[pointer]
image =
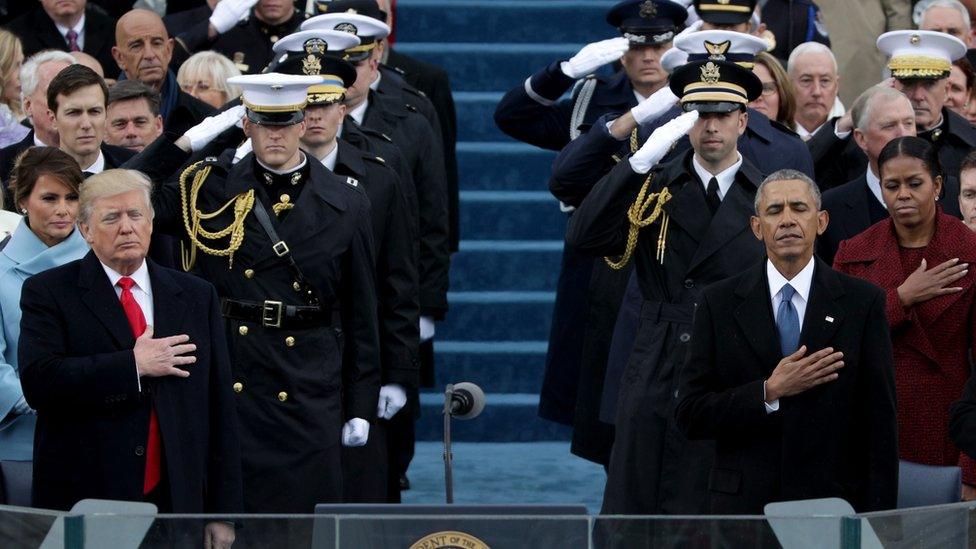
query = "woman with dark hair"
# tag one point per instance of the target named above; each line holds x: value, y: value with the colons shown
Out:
x: 920, y: 257
x: 45, y: 183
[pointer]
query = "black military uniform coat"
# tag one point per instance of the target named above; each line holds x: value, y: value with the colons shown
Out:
x: 835, y: 440
x: 295, y: 387
x: 37, y: 32
x: 249, y: 43
x: 421, y: 149
x: 852, y: 208
x: 653, y: 469
x: 434, y: 83
x: 365, y: 468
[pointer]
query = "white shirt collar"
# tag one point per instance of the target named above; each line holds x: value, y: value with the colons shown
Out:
x: 98, y: 166
x: 140, y: 276
x: 801, y: 282
x: 874, y: 185
x: 283, y: 172
x: 376, y: 83
x: 79, y: 28
x: 640, y: 98
x: 725, y: 177
x: 804, y: 134
x: 38, y: 142
x: 329, y: 160
x: 359, y: 112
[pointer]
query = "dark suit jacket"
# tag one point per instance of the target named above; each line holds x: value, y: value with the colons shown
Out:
x: 852, y: 209
x: 8, y: 155
x: 962, y: 422
x: 37, y: 32
x: 835, y: 440
x: 78, y: 371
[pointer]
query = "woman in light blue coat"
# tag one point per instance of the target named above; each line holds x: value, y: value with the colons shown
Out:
x: 45, y: 183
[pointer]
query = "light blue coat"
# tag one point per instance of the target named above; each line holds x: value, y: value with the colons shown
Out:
x: 24, y: 255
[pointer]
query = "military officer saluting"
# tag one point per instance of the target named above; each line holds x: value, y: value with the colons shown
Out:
x: 685, y: 223
x: 288, y: 245
x: 532, y: 112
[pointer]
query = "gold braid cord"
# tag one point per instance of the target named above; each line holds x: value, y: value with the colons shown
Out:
x: 635, y: 216
x: 193, y: 218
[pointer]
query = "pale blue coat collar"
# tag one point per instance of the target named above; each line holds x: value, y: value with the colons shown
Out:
x: 30, y: 256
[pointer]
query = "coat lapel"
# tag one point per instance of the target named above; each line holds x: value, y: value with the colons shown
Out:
x: 824, y: 313
x: 730, y: 220
x: 169, y: 307
x: 938, y: 251
x: 99, y: 296
x: 857, y: 215
x: 754, y: 316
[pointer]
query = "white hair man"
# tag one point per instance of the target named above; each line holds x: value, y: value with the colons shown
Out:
x: 948, y: 16
x: 813, y: 70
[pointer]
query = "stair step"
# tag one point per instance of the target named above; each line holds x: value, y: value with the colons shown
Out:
x: 503, y: 21
x: 522, y: 265
x: 507, y: 417
x: 504, y: 165
x: 497, y: 316
x: 489, y: 66
x: 511, y: 215
x: 475, y: 112
x: 496, y: 366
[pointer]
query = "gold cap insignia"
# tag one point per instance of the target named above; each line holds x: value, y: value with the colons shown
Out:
x: 351, y: 10
x: 239, y: 61
x: 915, y: 39
x: 648, y: 9
x: 717, y: 51
x: 710, y: 73
x: 347, y: 27
x: 316, y: 45
x: 724, y: 2
x: 311, y: 65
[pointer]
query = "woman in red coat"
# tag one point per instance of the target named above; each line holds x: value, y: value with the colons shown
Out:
x: 920, y: 257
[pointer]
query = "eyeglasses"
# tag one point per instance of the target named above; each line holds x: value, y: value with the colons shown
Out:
x: 768, y: 88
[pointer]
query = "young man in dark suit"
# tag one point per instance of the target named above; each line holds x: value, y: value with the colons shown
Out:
x: 791, y: 371
x: 126, y: 363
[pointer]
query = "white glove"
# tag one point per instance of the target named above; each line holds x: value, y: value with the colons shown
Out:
x: 242, y: 151
x: 660, y: 142
x: 692, y: 27
x: 212, y: 126
x: 227, y: 13
x: 593, y: 56
x: 654, y: 106
x: 392, y: 399
x: 426, y: 328
x: 356, y: 431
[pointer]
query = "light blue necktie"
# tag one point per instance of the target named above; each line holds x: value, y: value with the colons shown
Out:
x: 788, y: 322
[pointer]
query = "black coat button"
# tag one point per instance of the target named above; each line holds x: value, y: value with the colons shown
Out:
x: 685, y: 337
x: 140, y: 450
x: 689, y: 283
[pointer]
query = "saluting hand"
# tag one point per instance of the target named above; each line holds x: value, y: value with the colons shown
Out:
x: 159, y: 357
x: 923, y: 285
x: 660, y: 142
x: 595, y: 55
x: 797, y: 373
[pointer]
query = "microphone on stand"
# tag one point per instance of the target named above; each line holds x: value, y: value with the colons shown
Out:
x: 463, y: 400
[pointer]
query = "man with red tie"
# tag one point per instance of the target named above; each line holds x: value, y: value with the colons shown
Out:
x: 126, y: 363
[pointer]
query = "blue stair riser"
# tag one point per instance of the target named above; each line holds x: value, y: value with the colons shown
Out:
x: 506, y: 267
x: 497, y: 423
x: 491, y: 367
x: 502, y: 21
x: 475, y: 113
x: 532, y: 218
x: 500, y: 319
x: 483, y: 67
x: 503, y: 166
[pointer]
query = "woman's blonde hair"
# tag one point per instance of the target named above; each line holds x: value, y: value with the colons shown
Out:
x: 211, y: 63
x: 10, y: 50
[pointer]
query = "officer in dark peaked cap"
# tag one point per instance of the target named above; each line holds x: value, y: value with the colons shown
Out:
x: 289, y: 247
x: 732, y: 15
x: 532, y: 112
x: 692, y: 230
x: 365, y: 468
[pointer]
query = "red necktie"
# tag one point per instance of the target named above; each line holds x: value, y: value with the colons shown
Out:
x: 72, y: 37
x: 137, y: 321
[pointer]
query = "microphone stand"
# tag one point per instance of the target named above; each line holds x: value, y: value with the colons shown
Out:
x: 448, y: 457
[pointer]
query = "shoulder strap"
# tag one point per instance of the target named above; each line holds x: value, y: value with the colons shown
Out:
x: 580, y: 105
x: 281, y: 249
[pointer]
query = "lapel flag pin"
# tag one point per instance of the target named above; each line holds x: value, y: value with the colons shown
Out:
x: 829, y: 319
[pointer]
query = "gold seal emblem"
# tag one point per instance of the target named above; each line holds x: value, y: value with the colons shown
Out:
x: 346, y: 27
x: 648, y: 9
x: 315, y: 45
x: 710, y: 73
x: 449, y: 540
x: 311, y: 65
x: 915, y: 39
x: 717, y: 51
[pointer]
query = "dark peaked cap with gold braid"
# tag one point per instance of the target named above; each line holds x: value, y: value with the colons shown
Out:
x: 647, y: 21
x: 725, y: 12
x: 714, y: 86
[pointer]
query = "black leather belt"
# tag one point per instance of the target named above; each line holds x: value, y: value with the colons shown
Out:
x: 275, y: 314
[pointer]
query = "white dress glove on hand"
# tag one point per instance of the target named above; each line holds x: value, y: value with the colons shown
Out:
x: 355, y: 432
x: 660, y: 142
x: 227, y: 13
x: 392, y: 398
x: 692, y: 27
x: 212, y: 126
x: 242, y: 151
x: 427, y: 329
x: 654, y: 106
x: 594, y: 56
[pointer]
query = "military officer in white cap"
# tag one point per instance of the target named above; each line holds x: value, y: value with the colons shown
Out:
x: 920, y: 62
x: 288, y: 245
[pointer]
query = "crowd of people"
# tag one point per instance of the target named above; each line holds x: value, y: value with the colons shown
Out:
x: 765, y: 294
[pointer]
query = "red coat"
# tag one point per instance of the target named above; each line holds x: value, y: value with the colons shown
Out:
x: 931, y: 340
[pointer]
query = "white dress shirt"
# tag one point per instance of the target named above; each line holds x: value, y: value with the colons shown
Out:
x: 329, y: 160
x: 801, y: 284
x: 141, y: 291
x: 38, y: 142
x: 725, y: 178
x: 359, y: 113
x: 874, y: 185
x: 79, y: 28
x: 98, y: 166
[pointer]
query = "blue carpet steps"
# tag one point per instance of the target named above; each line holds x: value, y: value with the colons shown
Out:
x: 503, y: 279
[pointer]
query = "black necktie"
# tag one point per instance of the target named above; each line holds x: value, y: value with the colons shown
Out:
x: 711, y: 195
x: 87, y: 174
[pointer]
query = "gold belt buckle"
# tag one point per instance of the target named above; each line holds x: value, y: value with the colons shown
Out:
x: 272, y: 314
